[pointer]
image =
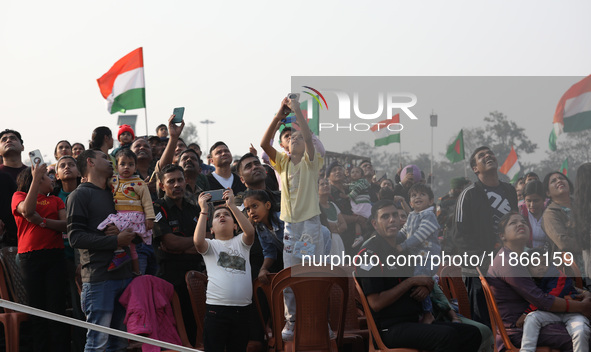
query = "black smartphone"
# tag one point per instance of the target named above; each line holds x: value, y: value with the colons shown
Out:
x: 178, y: 114
x: 216, y: 195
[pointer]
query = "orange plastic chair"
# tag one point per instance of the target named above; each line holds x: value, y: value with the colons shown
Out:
x: 197, y: 287
x: 354, y: 335
x: 312, y: 294
x: 180, y: 324
x: 453, y: 287
x: 573, y: 271
x: 10, y: 279
x: 496, y: 321
x: 375, y: 340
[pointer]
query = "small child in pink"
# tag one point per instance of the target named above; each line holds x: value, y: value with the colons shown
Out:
x: 134, y: 208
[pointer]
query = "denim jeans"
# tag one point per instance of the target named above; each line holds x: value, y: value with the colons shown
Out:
x: 577, y: 326
x: 293, y: 233
x: 100, y: 303
x: 147, y: 259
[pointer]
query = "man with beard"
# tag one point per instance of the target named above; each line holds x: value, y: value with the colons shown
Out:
x: 146, y: 165
x: 176, y: 219
x: 253, y: 176
x: 87, y: 206
x: 223, y: 177
x: 395, y: 297
x: 479, y: 208
x: 196, y: 182
x: 11, y: 148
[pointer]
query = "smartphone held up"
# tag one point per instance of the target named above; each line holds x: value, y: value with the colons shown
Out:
x: 36, y: 157
x: 294, y: 97
x: 178, y: 114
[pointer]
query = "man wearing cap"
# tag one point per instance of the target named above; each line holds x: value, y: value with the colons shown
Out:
x: 409, y: 175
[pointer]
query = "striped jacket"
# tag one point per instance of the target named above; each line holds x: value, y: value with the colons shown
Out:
x: 473, y: 229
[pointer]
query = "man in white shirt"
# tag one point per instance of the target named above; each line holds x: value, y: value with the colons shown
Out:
x: 223, y: 177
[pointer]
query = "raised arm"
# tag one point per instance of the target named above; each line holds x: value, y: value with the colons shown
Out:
x: 304, y: 128
x: 175, y: 132
x: 199, y: 236
x: 27, y: 207
x: 245, y: 225
x: 270, y: 132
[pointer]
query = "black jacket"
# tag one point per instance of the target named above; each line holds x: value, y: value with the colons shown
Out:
x: 473, y: 228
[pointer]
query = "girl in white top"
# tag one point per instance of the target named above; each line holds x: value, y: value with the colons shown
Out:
x: 229, y: 290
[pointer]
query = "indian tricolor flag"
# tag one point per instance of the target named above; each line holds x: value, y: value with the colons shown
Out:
x: 383, y: 135
x: 573, y: 112
x: 511, y: 166
x: 123, y: 86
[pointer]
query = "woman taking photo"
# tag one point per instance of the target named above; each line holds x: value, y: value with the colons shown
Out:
x: 40, y: 220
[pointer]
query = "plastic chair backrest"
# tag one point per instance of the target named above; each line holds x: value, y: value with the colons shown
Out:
x: 375, y: 340
x: 573, y: 271
x: 180, y: 323
x: 197, y: 287
x: 451, y: 279
x: 262, y: 299
x: 15, y: 279
x: 312, y: 294
x: 497, y: 322
x: 495, y: 317
x: 351, y: 321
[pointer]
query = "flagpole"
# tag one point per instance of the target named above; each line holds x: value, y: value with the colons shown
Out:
x: 465, y: 169
x: 145, y: 100
x: 400, y: 152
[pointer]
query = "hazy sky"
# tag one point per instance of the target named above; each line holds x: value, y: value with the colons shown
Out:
x: 232, y: 62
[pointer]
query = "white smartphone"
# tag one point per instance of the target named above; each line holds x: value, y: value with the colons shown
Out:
x: 36, y: 157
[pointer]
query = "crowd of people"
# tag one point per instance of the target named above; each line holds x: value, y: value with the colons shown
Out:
x: 157, y: 206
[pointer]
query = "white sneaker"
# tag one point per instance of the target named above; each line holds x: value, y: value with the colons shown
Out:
x: 287, y: 332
